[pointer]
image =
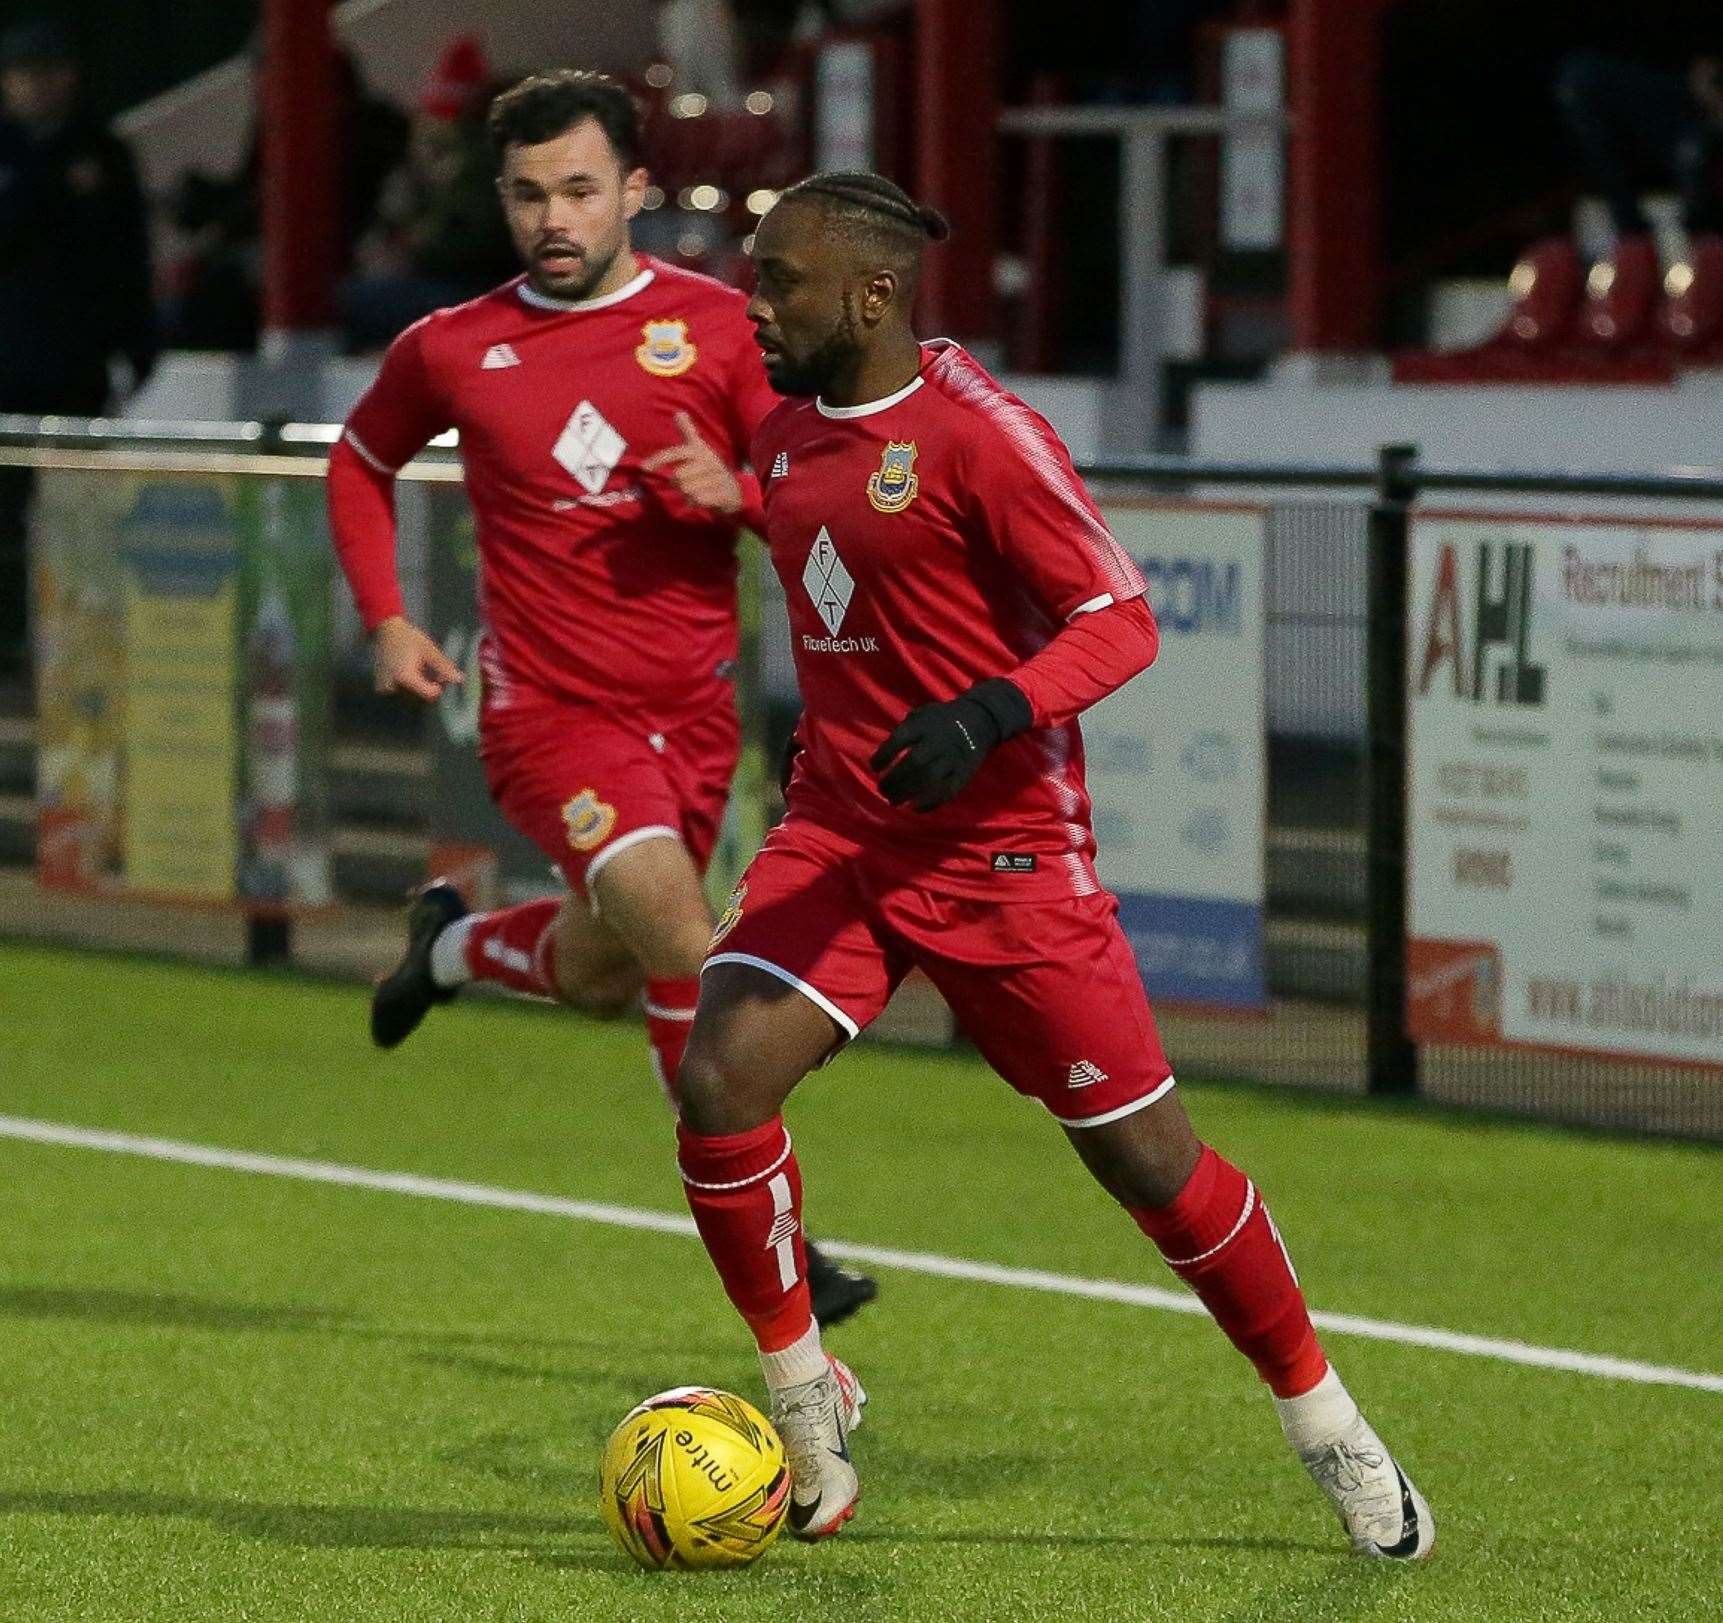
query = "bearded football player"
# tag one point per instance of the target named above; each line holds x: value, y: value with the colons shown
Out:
x: 956, y: 601
x: 604, y: 402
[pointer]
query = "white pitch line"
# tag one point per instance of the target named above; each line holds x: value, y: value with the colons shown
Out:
x: 917, y: 1262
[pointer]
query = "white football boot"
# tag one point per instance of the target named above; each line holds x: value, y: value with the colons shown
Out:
x: 815, y: 1420
x: 1383, y: 1514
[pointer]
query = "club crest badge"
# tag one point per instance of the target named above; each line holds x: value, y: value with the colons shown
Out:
x: 588, y: 820
x: 893, y: 487
x: 668, y: 351
x: 731, y: 916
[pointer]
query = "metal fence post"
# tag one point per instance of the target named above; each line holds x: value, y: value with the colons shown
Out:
x: 268, y: 930
x: 1391, y: 1060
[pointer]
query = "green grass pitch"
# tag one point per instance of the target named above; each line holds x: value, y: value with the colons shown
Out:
x: 235, y: 1397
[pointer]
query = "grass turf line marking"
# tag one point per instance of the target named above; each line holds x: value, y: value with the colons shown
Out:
x: 918, y: 1262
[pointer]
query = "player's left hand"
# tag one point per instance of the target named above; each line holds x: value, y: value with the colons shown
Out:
x: 700, y: 474
x: 938, y: 748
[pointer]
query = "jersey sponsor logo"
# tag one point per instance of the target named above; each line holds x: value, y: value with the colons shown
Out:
x: 605, y: 498
x: 497, y: 357
x: 730, y: 917
x: 894, y: 484
x: 839, y: 645
x: 1085, y: 1073
x: 780, y: 465
x: 589, y: 448
x: 588, y: 820
x: 828, y: 583
x: 1014, y: 862
x: 667, y: 352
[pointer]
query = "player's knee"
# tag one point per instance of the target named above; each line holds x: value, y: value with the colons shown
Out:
x: 603, y: 999
x: 606, y: 992
x: 718, y: 1090
x: 1142, y: 1160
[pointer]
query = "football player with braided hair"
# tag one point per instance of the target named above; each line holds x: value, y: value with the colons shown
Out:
x: 956, y: 601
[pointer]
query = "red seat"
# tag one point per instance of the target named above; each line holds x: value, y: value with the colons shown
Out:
x: 1621, y: 297
x: 1690, y: 319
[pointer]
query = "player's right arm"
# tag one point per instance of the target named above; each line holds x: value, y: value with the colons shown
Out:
x: 394, y: 420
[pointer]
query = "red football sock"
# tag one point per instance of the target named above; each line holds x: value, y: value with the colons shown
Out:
x: 516, y: 947
x: 1217, y: 1236
x: 745, y: 1191
x: 669, y: 1019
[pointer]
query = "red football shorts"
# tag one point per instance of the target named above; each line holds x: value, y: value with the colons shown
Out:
x: 584, y: 785
x: 1048, y: 991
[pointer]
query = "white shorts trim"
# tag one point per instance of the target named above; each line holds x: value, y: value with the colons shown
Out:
x: 1123, y: 1110
x: 635, y: 836
x: 812, y: 993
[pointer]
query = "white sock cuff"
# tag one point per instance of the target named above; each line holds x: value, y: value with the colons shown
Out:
x: 449, y: 952
x: 1319, y: 1415
x: 802, y: 1361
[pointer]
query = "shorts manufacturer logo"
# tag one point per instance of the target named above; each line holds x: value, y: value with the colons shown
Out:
x: 1014, y: 862
x: 499, y: 356
x: 731, y: 916
x: 588, y: 820
x: 667, y: 351
x: 893, y: 486
x: 589, y: 448
x: 1083, y: 1074
x: 780, y: 465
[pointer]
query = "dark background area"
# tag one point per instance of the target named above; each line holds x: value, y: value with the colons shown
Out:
x: 143, y: 47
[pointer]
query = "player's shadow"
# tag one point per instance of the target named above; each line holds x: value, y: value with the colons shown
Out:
x: 367, y: 1527
x: 158, y: 1310
x: 479, y: 1352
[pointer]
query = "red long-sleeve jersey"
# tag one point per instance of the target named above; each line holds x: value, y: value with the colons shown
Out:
x: 599, y: 584
x: 927, y: 542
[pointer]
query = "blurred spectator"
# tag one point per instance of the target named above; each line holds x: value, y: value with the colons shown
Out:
x: 1636, y: 122
x: 214, y: 302
x: 74, y: 268
x: 1634, y: 125
x: 438, y: 237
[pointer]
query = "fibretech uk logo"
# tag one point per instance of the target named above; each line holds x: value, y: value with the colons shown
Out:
x: 1085, y: 1073
x: 780, y: 465
x: 499, y: 356
x: 1500, y: 627
x: 589, y: 448
x: 828, y: 582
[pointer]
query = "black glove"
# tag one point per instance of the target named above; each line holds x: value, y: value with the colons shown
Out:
x: 938, y: 748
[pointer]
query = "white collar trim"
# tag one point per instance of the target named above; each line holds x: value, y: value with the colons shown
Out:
x: 543, y: 301
x: 871, y: 406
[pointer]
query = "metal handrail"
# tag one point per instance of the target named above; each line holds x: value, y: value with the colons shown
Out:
x: 312, y: 439
x: 105, y: 433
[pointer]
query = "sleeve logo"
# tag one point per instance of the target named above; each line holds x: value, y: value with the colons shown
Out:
x: 894, y: 486
x: 668, y: 351
x: 588, y: 820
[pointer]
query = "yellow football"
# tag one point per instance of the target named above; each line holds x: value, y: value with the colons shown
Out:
x: 693, y: 1478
